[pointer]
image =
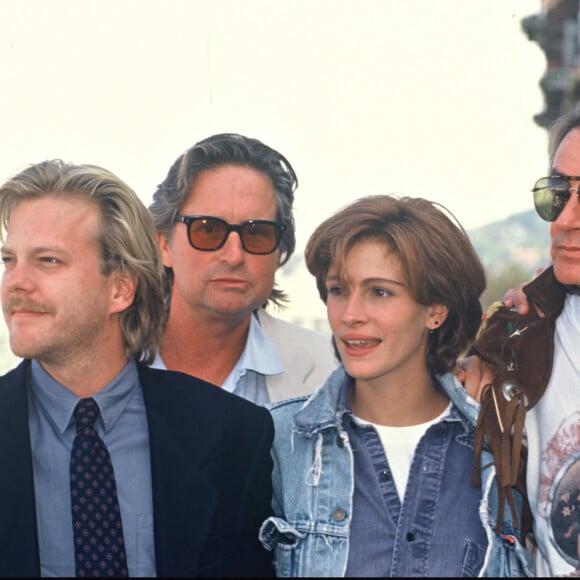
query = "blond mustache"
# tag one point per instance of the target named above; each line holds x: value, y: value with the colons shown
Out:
x: 14, y: 303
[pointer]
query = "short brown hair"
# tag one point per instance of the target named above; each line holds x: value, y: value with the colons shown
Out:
x: 440, y: 263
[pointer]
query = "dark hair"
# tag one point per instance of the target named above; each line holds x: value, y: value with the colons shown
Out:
x: 217, y: 150
x: 440, y: 263
x: 127, y: 240
x: 560, y: 128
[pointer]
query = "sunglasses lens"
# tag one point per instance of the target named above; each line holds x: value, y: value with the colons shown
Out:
x: 260, y: 237
x: 207, y: 233
x: 550, y: 197
x: 257, y: 236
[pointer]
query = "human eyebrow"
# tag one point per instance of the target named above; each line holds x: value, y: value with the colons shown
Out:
x: 52, y: 252
x: 379, y: 281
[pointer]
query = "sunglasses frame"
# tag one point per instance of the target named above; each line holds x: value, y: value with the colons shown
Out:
x: 188, y: 220
x: 564, y: 192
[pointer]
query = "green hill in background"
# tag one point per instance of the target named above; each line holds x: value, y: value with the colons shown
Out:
x: 522, y: 239
x: 511, y: 250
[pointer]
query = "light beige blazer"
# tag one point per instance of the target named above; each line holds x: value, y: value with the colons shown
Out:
x: 307, y: 357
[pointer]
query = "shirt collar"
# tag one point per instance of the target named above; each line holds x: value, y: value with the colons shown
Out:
x: 59, y: 403
x: 260, y: 354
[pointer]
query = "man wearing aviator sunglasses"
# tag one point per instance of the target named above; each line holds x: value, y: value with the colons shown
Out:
x: 551, y: 194
x: 225, y: 225
x: 532, y: 394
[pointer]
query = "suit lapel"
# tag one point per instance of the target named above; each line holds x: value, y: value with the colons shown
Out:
x: 18, y: 535
x: 183, y: 499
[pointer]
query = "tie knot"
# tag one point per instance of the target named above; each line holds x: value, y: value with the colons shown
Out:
x: 86, y: 413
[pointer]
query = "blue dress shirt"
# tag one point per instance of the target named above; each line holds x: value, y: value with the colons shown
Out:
x: 248, y: 377
x: 122, y: 425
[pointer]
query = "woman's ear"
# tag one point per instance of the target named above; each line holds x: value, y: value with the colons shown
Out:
x: 437, y: 315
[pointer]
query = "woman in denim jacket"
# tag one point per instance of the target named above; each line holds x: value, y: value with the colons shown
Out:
x: 372, y: 473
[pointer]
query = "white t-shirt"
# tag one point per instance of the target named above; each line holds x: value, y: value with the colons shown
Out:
x: 553, y: 473
x: 399, y: 444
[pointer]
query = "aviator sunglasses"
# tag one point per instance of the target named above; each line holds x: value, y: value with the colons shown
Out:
x: 551, y: 195
x: 208, y: 233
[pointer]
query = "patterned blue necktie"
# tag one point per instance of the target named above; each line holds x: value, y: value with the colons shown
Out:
x: 97, y: 527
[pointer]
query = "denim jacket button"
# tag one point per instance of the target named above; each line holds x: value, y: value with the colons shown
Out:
x: 339, y: 515
x: 386, y: 474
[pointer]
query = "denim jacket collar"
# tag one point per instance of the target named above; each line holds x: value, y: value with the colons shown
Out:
x: 325, y: 408
x: 321, y: 410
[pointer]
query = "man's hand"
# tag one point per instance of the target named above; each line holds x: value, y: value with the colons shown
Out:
x: 474, y: 374
x: 516, y: 297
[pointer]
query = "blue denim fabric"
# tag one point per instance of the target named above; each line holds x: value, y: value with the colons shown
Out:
x: 314, y: 493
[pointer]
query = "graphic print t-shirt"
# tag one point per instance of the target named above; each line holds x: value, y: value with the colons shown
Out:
x: 553, y: 475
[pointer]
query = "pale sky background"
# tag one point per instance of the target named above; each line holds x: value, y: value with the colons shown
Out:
x: 430, y: 98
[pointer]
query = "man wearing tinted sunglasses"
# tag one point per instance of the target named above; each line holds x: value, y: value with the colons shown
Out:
x: 225, y: 225
x: 532, y: 399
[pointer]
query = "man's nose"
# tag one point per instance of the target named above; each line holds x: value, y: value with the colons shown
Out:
x: 570, y: 214
x: 232, y: 248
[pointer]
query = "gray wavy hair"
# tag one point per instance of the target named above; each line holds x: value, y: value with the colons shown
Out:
x: 227, y: 149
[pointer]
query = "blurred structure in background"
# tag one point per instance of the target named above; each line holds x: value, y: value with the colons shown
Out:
x: 557, y: 31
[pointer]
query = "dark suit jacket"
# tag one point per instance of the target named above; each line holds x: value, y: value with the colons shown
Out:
x: 211, y: 473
